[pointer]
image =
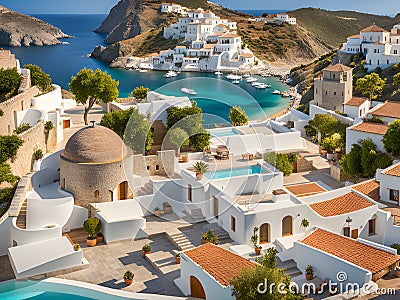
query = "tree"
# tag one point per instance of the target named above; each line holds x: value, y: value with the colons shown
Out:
x: 238, y: 116
x: 269, y: 259
x: 368, y: 156
x: 265, y: 14
x: 9, y: 81
x: 89, y: 86
x: 200, y: 141
x: 333, y: 142
x: 117, y: 120
x: 396, y: 80
x: 392, y: 137
x: 178, y: 138
x: 139, y: 93
x: 280, y: 161
x: 371, y: 85
x: 6, y: 174
x: 39, y: 78
x: 9, y: 145
x: 351, y: 163
x: 324, y: 124
x: 137, y: 135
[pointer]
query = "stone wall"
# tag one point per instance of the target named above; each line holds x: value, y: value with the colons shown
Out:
x: 161, y: 164
x: 7, y: 59
x: 302, y: 165
x: 11, y: 106
x: 338, y: 173
x: 159, y: 130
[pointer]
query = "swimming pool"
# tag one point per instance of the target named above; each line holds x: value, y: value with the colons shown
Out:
x: 222, y: 133
x: 234, y: 172
x: 62, y: 289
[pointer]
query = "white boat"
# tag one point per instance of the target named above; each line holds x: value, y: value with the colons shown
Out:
x: 277, y: 92
x: 218, y: 73
x: 255, y: 83
x: 246, y: 75
x: 234, y: 77
x: 143, y: 71
x: 188, y: 91
x: 170, y: 74
x: 251, y: 79
x: 236, y: 81
x: 261, y: 86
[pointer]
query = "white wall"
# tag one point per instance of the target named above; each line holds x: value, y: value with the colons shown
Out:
x: 354, y: 137
x: 388, y: 182
x: 25, y: 236
x: 78, y: 216
x: 30, y: 116
x: 49, y: 101
x: 52, y: 161
x: 5, y: 237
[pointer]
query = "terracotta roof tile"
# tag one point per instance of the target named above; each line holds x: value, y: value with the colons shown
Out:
x: 369, y: 188
x: 229, y: 34
x: 221, y: 264
x: 356, y: 101
x: 374, y: 28
x: 340, y: 205
x: 370, y: 127
x: 393, y: 171
x: 247, y: 55
x: 364, y: 256
x: 305, y: 189
x: 338, y: 68
x: 388, y: 109
x: 357, y: 36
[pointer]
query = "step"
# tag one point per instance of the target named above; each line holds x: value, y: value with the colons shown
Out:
x: 176, y: 234
x: 288, y: 264
x: 293, y: 272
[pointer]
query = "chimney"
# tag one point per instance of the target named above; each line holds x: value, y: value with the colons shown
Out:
x: 280, y: 195
x: 93, y: 123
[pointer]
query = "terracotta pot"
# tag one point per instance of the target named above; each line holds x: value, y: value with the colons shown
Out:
x: 100, y: 238
x: 185, y: 159
x: 397, y: 273
x: 128, y: 281
x: 333, y: 162
x: 157, y: 213
x: 204, y: 242
x: 178, y: 260
x: 144, y: 253
x: 91, y: 243
x: 309, y: 276
x: 324, y: 152
x: 167, y: 209
x: 257, y: 250
x: 199, y: 176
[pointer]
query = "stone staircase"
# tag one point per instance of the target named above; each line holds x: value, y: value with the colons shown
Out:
x: 162, y: 261
x: 290, y: 266
x: 223, y: 236
x: 197, y: 215
x: 180, y: 241
x: 146, y: 189
x: 21, y: 219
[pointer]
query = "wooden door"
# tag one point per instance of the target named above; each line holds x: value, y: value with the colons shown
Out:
x: 190, y: 192
x: 122, y: 191
x: 287, y: 228
x: 215, y: 207
x: 264, y: 233
x: 196, y: 288
x: 354, y: 233
x: 66, y: 124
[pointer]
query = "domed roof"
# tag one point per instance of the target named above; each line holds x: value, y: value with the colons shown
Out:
x: 94, y: 144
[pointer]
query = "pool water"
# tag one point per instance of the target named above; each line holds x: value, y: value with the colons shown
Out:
x: 222, y: 133
x: 44, y: 296
x: 227, y: 173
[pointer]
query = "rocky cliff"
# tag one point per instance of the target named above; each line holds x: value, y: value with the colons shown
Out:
x: 21, y: 30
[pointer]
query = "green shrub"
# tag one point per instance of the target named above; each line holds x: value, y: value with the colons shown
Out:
x: 238, y: 116
x: 21, y: 128
x: 38, y: 154
x: 48, y: 125
x: 396, y: 246
x: 128, y: 275
x: 279, y: 161
x: 10, y: 80
x: 9, y: 145
x: 1, y: 113
x: 40, y: 78
x: 146, y: 248
x: 310, y: 131
x: 395, y: 67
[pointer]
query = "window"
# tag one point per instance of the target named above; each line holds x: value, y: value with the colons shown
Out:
x: 96, y: 193
x: 233, y: 223
x: 157, y: 167
x: 264, y: 233
x: 346, y: 231
x: 287, y: 226
x: 371, y: 227
x: 393, y: 195
x: 334, y: 93
x: 148, y: 168
x: 190, y: 192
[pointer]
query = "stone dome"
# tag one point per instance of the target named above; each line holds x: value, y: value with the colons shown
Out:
x: 94, y: 144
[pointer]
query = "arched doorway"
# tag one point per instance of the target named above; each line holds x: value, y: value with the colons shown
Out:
x: 196, y: 288
x: 264, y: 233
x: 123, y: 190
x: 287, y: 226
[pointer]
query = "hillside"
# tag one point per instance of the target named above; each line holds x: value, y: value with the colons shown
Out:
x: 21, y: 30
x: 134, y: 28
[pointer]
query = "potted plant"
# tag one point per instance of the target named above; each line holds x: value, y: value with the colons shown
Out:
x: 333, y: 161
x: 204, y: 238
x: 209, y: 237
x: 77, y: 247
x: 185, y: 158
x: 146, y: 249
x: 305, y: 223
x: 167, y: 208
x: 200, y: 168
x: 128, y: 277
x: 100, y: 237
x: 92, y: 226
x: 309, y: 272
x: 178, y: 258
x: 37, y: 157
x: 157, y: 211
x: 254, y: 240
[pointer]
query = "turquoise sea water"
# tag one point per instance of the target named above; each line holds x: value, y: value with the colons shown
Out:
x: 227, y: 173
x: 214, y: 96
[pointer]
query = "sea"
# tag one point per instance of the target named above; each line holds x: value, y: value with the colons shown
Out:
x: 215, y: 94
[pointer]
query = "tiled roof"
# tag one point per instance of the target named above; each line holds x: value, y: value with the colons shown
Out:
x: 357, y: 36
x: 340, y: 205
x: 393, y: 171
x: 305, y: 189
x: 209, y: 46
x: 356, y: 101
x: 364, y: 256
x: 369, y: 188
x: 338, y: 68
x: 370, y: 127
x: 374, y: 28
x: 229, y: 34
x: 388, y: 109
x: 247, y: 55
x: 221, y: 264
